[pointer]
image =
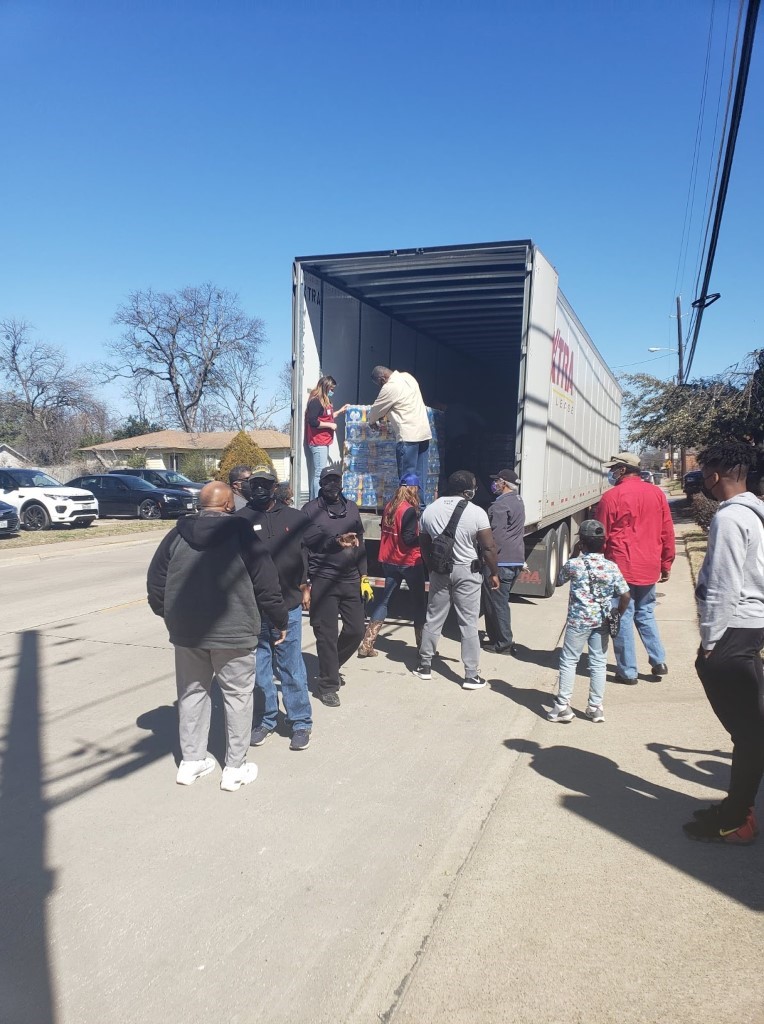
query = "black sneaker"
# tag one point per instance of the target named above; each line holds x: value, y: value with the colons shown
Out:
x: 623, y: 679
x: 300, y: 739
x: 259, y: 736
x: 496, y: 649
x: 331, y: 699
x: 713, y: 814
x: 422, y: 670
x: 708, y: 830
x: 659, y: 670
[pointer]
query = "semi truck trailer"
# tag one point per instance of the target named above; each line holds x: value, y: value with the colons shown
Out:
x: 483, y: 327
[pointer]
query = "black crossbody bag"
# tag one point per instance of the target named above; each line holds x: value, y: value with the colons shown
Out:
x: 441, y: 556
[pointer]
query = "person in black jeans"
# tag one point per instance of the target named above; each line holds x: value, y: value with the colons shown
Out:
x: 335, y: 584
x: 730, y: 594
x: 507, y: 518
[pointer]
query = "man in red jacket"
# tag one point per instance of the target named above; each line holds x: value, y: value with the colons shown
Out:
x: 640, y: 540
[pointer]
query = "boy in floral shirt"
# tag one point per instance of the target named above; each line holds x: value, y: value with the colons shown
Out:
x: 594, y: 582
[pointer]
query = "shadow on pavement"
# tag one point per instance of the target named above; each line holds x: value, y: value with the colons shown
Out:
x: 646, y: 815
x: 710, y: 773
x: 25, y: 982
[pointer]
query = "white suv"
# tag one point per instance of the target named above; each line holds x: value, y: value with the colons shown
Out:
x: 41, y: 501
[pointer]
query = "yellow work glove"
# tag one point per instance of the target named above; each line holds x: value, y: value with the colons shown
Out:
x: 367, y: 591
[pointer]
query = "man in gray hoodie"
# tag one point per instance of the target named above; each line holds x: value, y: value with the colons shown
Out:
x: 208, y: 580
x: 730, y: 595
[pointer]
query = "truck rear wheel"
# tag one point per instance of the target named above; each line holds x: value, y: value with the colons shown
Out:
x: 551, y: 561
x: 563, y: 544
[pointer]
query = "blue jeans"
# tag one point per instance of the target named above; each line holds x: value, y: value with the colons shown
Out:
x: 394, y: 574
x: 319, y: 457
x: 411, y: 457
x: 294, y: 678
x: 640, y: 613
x: 498, y: 621
x: 573, y: 643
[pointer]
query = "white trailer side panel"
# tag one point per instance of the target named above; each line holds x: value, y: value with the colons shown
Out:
x: 533, y: 411
x: 306, y: 368
x: 583, y: 421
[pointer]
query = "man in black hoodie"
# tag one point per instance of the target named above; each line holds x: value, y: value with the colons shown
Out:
x: 207, y: 579
x: 336, y: 581
x: 507, y: 518
x: 286, y: 533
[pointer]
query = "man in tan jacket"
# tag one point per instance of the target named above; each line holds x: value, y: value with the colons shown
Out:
x: 400, y: 399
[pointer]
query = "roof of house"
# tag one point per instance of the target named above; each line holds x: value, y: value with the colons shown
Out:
x: 180, y: 440
x: 4, y: 446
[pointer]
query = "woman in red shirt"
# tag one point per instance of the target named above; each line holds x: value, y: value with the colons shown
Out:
x: 400, y: 559
x: 319, y: 428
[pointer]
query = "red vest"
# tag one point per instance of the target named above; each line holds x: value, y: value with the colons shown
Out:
x: 320, y: 435
x: 392, y: 550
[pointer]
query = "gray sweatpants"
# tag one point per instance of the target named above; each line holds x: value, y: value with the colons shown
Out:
x: 462, y: 590
x: 194, y: 671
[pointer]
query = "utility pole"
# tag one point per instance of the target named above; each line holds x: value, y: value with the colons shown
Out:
x: 680, y: 376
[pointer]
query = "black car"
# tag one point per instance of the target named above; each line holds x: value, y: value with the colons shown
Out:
x: 9, y: 520
x: 162, y: 478
x: 131, y: 496
x: 693, y: 483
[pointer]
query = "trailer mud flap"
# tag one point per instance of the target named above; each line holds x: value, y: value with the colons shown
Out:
x: 532, y: 581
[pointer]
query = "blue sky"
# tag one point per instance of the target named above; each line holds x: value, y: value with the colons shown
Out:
x: 170, y: 143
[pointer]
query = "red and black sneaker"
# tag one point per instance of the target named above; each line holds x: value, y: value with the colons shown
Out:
x: 708, y: 829
x: 707, y: 812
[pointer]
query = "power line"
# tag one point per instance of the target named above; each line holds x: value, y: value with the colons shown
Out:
x: 703, y: 299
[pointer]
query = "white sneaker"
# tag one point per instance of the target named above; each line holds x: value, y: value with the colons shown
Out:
x: 561, y: 714
x: 474, y: 683
x: 595, y: 714
x: 190, y: 771
x: 235, y: 778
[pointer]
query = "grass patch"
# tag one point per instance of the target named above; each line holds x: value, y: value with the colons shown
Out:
x: 71, y: 534
x: 674, y: 487
x: 695, y: 543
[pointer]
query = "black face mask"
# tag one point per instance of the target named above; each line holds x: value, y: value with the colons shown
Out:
x: 260, y: 497
x: 331, y: 492
x: 707, y: 494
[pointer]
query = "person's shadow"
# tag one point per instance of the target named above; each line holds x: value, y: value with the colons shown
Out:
x: 706, y: 773
x: 645, y: 814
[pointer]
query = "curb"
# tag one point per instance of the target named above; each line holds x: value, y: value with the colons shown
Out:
x: 25, y: 556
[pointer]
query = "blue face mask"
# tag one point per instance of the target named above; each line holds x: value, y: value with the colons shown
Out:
x: 330, y: 394
x: 495, y: 487
x: 612, y: 479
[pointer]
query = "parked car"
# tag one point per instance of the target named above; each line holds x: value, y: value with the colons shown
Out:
x: 9, y: 520
x: 693, y: 483
x: 132, y: 496
x: 41, y: 501
x: 647, y: 476
x: 162, y: 478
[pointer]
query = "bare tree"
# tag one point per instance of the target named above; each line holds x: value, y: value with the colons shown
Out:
x: 238, y: 393
x: 37, y: 375
x: 179, y: 342
x: 46, y: 405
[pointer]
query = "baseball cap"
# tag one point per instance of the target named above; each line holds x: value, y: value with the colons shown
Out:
x: 461, y: 480
x: 508, y: 475
x: 623, y: 459
x: 328, y: 471
x: 263, y: 473
x: 591, y: 529
x: 410, y: 480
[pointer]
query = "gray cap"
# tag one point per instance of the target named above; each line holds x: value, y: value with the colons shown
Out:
x: 591, y: 529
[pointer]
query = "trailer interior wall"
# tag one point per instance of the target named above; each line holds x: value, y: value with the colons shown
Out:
x: 452, y: 316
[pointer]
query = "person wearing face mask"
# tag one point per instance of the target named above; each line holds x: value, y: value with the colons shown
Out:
x: 209, y: 580
x: 287, y: 533
x: 238, y: 478
x: 507, y: 518
x: 336, y: 582
x: 640, y: 540
x: 455, y: 578
x: 730, y: 595
x: 320, y: 428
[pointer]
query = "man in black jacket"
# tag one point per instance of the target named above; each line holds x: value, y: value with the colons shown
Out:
x: 507, y: 518
x: 336, y: 579
x: 207, y: 579
x: 286, y: 533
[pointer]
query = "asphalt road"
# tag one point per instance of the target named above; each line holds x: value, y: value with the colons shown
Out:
x: 436, y: 855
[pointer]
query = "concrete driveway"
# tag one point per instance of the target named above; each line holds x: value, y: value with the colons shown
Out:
x: 436, y: 855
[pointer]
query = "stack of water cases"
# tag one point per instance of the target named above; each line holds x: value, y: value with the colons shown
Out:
x: 369, y: 468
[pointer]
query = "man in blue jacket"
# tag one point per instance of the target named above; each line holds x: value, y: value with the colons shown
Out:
x: 730, y: 595
x: 507, y: 518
